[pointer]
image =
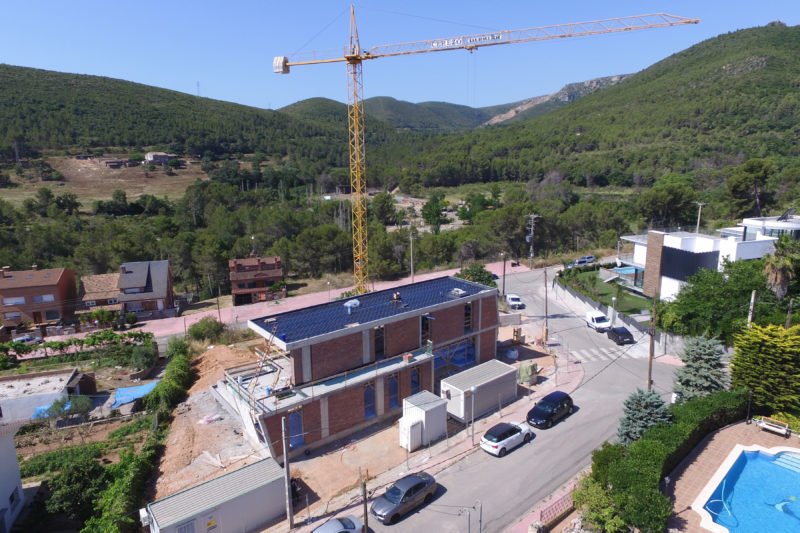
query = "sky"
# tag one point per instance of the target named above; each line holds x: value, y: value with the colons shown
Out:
x: 224, y: 50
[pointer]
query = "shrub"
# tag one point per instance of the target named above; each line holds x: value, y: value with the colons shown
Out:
x: 75, y: 487
x: 59, y: 459
x: 143, y: 357
x: 207, y: 328
x: 131, y: 319
x: 177, y: 346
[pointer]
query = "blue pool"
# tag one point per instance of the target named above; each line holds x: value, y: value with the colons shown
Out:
x: 760, y: 493
x: 626, y: 271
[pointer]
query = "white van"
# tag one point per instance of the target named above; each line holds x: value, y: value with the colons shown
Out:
x: 597, y: 320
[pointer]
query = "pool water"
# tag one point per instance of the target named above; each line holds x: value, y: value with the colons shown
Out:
x: 626, y: 271
x: 760, y: 493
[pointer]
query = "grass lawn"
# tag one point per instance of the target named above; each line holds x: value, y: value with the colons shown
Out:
x: 627, y: 302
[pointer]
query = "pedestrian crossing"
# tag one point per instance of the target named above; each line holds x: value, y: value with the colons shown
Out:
x: 606, y: 354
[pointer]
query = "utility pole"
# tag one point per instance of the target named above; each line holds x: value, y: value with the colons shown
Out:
x: 503, y: 255
x: 652, y: 345
x: 287, y: 474
x: 699, y: 209
x: 752, y: 308
x: 411, y: 233
x: 364, y: 498
x: 532, y: 217
x: 544, y: 333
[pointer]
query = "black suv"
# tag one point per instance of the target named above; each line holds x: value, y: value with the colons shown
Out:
x: 550, y: 410
x: 620, y: 335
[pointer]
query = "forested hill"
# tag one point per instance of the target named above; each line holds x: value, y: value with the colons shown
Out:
x: 719, y: 102
x: 45, y: 109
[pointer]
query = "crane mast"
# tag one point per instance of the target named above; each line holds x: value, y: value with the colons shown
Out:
x: 354, y: 57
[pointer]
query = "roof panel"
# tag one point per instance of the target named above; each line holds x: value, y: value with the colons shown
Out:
x: 478, y: 375
x: 310, y: 322
x: 193, y: 501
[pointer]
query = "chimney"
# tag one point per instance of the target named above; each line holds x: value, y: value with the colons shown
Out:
x: 34, y: 267
x: 6, y: 269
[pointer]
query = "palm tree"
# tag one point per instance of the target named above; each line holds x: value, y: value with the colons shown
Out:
x: 781, y: 266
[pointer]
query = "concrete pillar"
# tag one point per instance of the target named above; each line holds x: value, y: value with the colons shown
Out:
x: 379, y: 395
x: 323, y: 416
x: 306, y: 356
x: 365, y: 346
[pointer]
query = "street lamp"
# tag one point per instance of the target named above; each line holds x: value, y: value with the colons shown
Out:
x: 749, y: 398
x: 472, y: 412
x: 329, y: 290
x: 503, y: 255
x: 699, y: 209
x: 613, y: 311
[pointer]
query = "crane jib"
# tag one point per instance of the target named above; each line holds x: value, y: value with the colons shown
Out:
x: 472, y: 40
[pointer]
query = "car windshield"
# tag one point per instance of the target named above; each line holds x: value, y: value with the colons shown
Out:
x: 393, y: 494
x: 547, y: 407
x: 347, y: 523
x: 491, y: 437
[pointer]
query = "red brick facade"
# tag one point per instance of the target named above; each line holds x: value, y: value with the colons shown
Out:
x: 402, y: 336
x: 335, y: 356
x: 488, y: 307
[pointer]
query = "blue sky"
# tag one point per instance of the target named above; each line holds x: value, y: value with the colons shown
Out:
x: 227, y: 47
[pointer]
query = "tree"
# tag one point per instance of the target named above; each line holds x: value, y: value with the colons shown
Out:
x: 75, y: 488
x: 643, y: 409
x: 477, y: 272
x: 704, y: 372
x: 766, y: 361
x: 597, y: 506
x: 80, y: 406
x: 432, y: 211
x: 383, y: 208
x: 781, y: 266
x: 746, y: 184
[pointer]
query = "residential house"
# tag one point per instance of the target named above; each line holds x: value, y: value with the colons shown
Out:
x: 36, y: 296
x: 145, y: 288
x: 252, y: 278
x: 663, y: 261
x: 158, y: 158
x: 349, y: 364
x: 20, y: 395
x: 100, y: 291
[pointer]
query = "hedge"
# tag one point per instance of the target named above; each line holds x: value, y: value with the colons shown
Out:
x: 634, y: 474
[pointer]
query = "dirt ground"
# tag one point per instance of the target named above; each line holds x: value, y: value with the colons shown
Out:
x: 204, y: 440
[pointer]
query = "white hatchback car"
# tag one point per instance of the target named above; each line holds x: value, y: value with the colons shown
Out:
x: 505, y: 436
x: 514, y: 301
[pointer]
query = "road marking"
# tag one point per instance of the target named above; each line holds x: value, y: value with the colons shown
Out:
x: 605, y: 354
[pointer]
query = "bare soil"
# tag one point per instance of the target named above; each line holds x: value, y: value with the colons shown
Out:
x: 90, y: 180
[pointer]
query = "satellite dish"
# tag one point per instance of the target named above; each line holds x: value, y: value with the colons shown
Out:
x: 789, y: 212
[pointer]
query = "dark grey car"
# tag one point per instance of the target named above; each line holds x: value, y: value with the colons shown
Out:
x: 620, y: 335
x: 402, y: 496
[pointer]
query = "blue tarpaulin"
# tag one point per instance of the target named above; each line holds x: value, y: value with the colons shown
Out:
x: 41, y: 411
x: 129, y: 394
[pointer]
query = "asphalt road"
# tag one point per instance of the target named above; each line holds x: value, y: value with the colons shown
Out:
x: 502, y: 490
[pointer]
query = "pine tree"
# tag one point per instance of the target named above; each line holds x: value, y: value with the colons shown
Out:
x: 704, y: 372
x: 643, y: 409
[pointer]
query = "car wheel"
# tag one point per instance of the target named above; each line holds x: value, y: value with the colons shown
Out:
x: 394, y: 519
x: 549, y: 424
x: 428, y: 498
x: 527, y: 438
x: 501, y: 453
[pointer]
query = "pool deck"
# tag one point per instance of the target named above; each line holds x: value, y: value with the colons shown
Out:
x: 697, y: 469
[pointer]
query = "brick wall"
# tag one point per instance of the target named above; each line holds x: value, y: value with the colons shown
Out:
x: 488, y: 308
x: 274, y: 433
x: 312, y: 422
x: 346, y: 408
x: 652, y: 266
x: 336, y: 355
x: 402, y: 336
x: 488, y: 346
x: 447, y: 324
x: 297, y: 366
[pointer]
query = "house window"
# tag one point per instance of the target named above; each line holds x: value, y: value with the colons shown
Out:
x: 369, y: 400
x: 186, y: 528
x: 52, y: 314
x: 468, y: 317
x: 13, y: 316
x: 132, y: 290
x: 296, y: 428
x: 394, y: 391
x: 112, y: 301
x: 415, y: 381
x: 90, y: 303
x: 240, y: 285
x: 43, y: 298
x: 251, y: 284
x: 426, y: 328
x: 14, y: 300
x: 380, y: 345
x: 134, y: 306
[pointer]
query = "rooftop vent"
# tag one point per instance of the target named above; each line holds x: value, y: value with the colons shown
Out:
x: 350, y: 305
x: 458, y: 293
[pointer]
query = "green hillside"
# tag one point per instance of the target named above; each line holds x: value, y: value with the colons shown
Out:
x: 722, y: 101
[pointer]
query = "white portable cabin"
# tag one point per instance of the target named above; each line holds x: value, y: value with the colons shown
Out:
x: 424, y: 420
x: 494, y: 382
x: 245, y: 499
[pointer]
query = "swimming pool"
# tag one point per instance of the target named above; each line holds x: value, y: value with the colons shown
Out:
x: 759, y: 491
x: 626, y: 271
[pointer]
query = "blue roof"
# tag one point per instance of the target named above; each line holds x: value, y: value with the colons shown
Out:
x: 303, y: 324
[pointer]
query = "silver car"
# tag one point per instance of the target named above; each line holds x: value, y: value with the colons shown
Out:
x: 402, y: 496
x: 341, y: 524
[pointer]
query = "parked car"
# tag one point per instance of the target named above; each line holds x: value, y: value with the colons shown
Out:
x: 514, y: 301
x: 620, y: 335
x: 550, y: 409
x: 402, y: 496
x: 504, y: 437
x: 587, y: 259
x: 597, y: 320
x: 28, y: 339
x: 341, y: 524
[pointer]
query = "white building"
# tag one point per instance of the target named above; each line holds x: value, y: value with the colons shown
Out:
x: 20, y: 395
x: 663, y: 261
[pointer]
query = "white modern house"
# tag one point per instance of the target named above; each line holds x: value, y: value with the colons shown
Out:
x: 20, y: 395
x: 662, y: 261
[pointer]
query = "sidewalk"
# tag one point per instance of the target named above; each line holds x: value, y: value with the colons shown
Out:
x: 437, y: 458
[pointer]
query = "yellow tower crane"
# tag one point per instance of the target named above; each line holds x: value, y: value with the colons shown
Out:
x: 354, y: 56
